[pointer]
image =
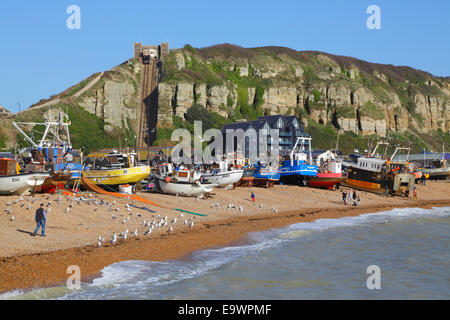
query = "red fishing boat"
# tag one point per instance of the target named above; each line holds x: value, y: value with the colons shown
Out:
x: 329, y: 172
x: 329, y: 176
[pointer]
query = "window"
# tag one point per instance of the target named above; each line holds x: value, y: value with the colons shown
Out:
x: 280, y: 123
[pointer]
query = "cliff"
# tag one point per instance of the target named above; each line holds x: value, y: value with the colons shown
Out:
x: 325, y: 91
x: 348, y: 93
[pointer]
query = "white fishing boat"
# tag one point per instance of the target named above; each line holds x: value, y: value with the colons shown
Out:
x: 181, y: 182
x: 21, y: 184
x: 222, y: 174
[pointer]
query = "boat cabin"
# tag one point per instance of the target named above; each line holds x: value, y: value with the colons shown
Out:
x: 370, y: 164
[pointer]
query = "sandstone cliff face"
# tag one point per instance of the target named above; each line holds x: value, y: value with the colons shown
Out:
x: 350, y: 94
x: 115, y: 98
x: 234, y: 82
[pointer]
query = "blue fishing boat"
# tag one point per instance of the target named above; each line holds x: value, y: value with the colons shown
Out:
x: 297, y: 168
x: 266, y: 175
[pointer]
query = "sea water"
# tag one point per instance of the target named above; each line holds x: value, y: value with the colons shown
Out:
x: 323, y: 259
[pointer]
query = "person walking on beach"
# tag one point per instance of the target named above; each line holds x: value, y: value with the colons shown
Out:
x: 350, y: 196
x: 253, y: 197
x: 354, y: 198
x: 423, y: 179
x: 415, y: 192
x: 40, y: 218
x: 344, y: 197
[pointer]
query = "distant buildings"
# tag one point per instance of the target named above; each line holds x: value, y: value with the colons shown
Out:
x: 289, y: 128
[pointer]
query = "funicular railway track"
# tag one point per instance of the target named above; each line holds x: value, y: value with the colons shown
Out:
x: 149, y: 85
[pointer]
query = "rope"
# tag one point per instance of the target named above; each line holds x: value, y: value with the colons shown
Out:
x: 134, y: 197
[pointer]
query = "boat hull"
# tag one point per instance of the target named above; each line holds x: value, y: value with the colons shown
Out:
x: 326, y: 180
x: 185, y: 189
x: 56, y: 180
x: 299, y: 173
x: 438, y: 173
x: 21, y: 184
x: 223, y: 179
x: 117, y: 176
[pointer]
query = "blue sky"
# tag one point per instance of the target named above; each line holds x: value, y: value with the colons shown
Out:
x: 39, y: 56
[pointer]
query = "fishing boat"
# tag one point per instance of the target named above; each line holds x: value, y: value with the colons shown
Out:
x: 12, y: 182
x: 53, y: 153
x: 437, y: 169
x: 298, y: 167
x: 222, y: 174
x: 266, y: 175
x: 442, y: 172
x: 181, y: 181
x: 248, y: 177
x: 115, y: 169
x: 329, y: 174
x: 379, y: 174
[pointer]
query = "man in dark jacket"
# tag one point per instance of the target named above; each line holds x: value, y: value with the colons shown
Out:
x: 40, y: 218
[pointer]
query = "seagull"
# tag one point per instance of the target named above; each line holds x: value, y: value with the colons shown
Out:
x: 114, y: 217
x: 174, y: 221
x: 8, y: 210
x: 95, y: 209
x: 101, y: 239
x: 139, y: 215
x: 22, y: 204
x: 241, y: 209
x: 67, y: 210
x: 182, y: 215
x: 135, y: 233
x: 29, y: 207
x: 49, y: 209
x: 99, y: 243
x: 114, y: 238
x: 171, y: 229
x: 185, y: 221
x: 192, y: 224
x: 12, y: 218
x: 148, y: 231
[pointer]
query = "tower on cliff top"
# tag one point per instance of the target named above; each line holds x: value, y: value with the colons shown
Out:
x: 161, y: 50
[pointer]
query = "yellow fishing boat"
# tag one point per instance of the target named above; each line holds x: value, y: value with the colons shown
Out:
x: 115, y: 169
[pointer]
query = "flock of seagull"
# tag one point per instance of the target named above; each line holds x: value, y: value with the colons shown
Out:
x: 157, y: 222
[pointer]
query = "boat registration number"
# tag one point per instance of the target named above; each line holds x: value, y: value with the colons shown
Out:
x: 15, y: 179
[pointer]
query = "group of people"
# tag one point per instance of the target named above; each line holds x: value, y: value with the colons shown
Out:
x: 351, y: 198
